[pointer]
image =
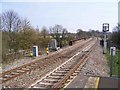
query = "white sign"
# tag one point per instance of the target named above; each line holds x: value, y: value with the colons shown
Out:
x: 114, y: 50
x: 35, y: 50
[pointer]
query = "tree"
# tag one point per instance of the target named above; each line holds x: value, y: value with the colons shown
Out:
x: 44, y: 32
x: 11, y: 24
x: 59, y: 33
x: 5, y: 46
x: 27, y: 39
x: 44, y: 38
x: 115, y: 37
x: 18, y: 34
x: 10, y: 21
x: 64, y: 33
x: 25, y: 24
x: 80, y: 33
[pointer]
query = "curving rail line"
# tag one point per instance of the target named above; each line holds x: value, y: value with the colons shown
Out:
x: 62, y: 74
x: 41, y: 63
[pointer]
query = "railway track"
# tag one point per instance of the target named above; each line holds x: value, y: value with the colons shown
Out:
x: 10, y: 74
x: 65, y: 72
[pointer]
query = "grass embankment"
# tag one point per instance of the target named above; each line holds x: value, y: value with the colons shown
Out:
x: 116, y: 65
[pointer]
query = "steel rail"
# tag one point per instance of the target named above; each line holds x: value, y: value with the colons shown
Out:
x: 55, y: 77
x: 84, y: 59
x: 38, y: 63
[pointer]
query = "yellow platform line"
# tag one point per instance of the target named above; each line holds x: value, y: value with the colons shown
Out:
x: 92, y: 82
x: 97, y: 83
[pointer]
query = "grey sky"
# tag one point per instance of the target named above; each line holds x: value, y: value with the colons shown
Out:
x: 71, y: 15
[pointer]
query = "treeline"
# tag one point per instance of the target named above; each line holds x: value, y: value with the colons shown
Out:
x: 87, y: 34
x: 115, y: 36
x: 18, y: 34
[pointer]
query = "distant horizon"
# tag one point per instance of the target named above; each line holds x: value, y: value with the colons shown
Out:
x: 72, y: 16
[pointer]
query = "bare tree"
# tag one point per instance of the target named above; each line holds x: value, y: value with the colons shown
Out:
x: 64, y: 33
x: 25, y: 24
x: 56, y: 31
x: 10, y: 21
x: 59, y: 33
x: 44, y: 32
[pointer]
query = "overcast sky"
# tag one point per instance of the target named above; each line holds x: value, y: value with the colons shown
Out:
x: 71, y: 14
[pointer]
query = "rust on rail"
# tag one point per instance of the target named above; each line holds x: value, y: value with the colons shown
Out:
x: 84, y: 59
x: 45, y: 62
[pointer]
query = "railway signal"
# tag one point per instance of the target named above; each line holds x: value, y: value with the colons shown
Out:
x: 105, y: 29
x: 47, y: 50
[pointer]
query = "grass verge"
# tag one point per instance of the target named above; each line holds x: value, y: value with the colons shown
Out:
x: 116, y: 65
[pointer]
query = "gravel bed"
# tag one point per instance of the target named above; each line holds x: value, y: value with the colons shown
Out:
x: 23, y: 61
x: 96, y: 65
x: 26, y: 60
x: 29, y: 78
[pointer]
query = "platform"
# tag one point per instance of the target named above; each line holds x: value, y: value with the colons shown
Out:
x: 84, y: 82
x: 107, y: 82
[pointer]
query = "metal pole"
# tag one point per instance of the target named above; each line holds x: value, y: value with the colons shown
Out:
x: 111, y: 63
x: 105, y: 43
x: 105, y: 29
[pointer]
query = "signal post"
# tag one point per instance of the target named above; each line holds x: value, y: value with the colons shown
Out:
x: 105, y: 29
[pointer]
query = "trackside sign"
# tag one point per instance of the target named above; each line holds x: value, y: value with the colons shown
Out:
x: 112, y: 51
